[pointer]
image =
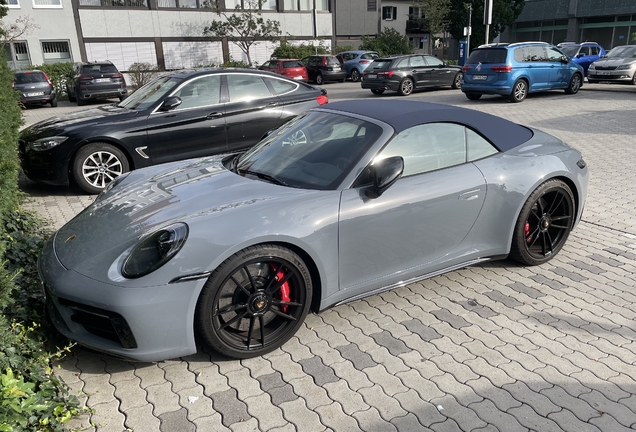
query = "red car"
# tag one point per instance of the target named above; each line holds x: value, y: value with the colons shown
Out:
x: 291, y: 68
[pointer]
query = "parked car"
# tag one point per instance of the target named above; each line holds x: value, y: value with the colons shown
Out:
x: 95, y: 80
x: 618, y: 66
x: 35, y: 88
x: 355, y: 62
x: 239, y: 248
x: 514, y: 70
x: 584, y: 53
x: 322, y: 68
x: 290, y: 68
x: 406, y: 73
x: 176, y: 116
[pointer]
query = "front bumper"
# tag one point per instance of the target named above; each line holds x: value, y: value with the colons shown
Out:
x: 622, y: 76
x: 48, y: 167
x: 141, y: 324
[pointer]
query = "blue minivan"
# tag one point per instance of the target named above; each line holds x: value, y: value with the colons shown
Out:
x: 514, y: 70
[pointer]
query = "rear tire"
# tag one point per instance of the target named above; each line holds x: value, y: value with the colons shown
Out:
x: 355, y: 75
x: 97, y: 164
x: 457, y: 81
x: 53, y: 103
x: 473, y: 96
x: 71, y: 97
x: 80, y: 100
x: 406, y: 87
x: 575, y: 84
x: 319, y: 79
x: 519, y: 91
x: 377, y: 91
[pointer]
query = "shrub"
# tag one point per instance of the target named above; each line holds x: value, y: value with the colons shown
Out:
x: 231, y: 63
x: 342, y: 48
x: 287, y: 50
x: 58, y: 73
x: 141, y: 73
x: 387, y: 42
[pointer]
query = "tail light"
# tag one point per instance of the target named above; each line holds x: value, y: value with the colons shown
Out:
x: 85, y: 78
x: 117, y: 75
x: 501, y: 68
x: 322, y: 99
x: 388, y: 74
x: 324, y: 61
x: 466, y: 68
x: 47, y: 79
x: 365, y: 61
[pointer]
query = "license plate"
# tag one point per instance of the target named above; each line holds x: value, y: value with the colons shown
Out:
x: 336, y: 68
x: 602, y: 72
x: 102, y: 79
x: 480, y: 77
x: 372, y: 76
x: 35, y: 94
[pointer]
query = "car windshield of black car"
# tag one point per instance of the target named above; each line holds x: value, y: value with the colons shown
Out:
x: 316, y: 152
x: 149, y: 94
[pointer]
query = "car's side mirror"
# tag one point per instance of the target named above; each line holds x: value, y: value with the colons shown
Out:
x: 565, y: 59
x: 581, y: 55
x: 171, y: 103
x: 384, y: 173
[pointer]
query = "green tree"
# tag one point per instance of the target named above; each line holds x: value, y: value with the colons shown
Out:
x: 244, y: 27
x: 387, y: 42
x: 434, y: 15
x: 505, y: 12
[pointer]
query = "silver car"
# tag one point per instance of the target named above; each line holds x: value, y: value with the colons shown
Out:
x: 343, y: 202
x: 618, y: 66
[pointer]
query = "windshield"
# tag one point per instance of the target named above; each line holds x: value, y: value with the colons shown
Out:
x: 146, y: 96
x: 570, y: 50
x: 627, y: 51
x: 313, y: 151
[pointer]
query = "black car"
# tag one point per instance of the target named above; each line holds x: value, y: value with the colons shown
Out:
x: 35, y: 88
x: 177, y: 116
x: 406, y: 73
x: 96, y: 80
x: 322, y: 68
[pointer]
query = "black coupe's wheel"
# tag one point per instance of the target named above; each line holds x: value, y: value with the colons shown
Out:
x: 473, y: 96
x: 53, y: 102
x: 457, y: 81
x: 319, y: 79
x: 519, y: 91
x: 575, y: 84
x: 377, y: 91
x: 97, y: 164
x: 406, y: 87
x: 544, y: 223
x: 355, y: 75
x: 255, y: 301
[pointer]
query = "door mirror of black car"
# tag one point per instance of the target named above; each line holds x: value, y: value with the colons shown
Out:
x: 384, y: 173
x: 171, y: 103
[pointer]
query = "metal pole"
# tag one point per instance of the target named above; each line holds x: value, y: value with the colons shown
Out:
x: 487, y: 17
x: 470, y: 17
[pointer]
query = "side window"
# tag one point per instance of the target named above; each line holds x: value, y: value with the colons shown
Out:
x: 417, y: 61
x: 200, y: 92
x: 535, y: 54
x: 281, y: 87
x: 433, y: 61
x: 585, y: 50
x: 553, y: 55
x: 477, y: 146
x: 404, y: 63
x: 246, y: 87
x: 594, y: 50
x: 428, y: 147
x: 520, y: 55
x: 266, y: 64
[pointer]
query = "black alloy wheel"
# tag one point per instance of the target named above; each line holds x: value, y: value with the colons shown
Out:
x: 457, y: 81
x: 255, y: 301
x: 319, y: 80
x: 544, y: 223
x: 406, y: 87
x: 355, y: 75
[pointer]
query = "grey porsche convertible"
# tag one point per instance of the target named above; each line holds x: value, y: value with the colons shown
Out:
x: 342, y: 202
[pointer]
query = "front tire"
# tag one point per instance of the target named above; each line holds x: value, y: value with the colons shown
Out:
x: 97, y: 164
x: 575, y: 84
x: 355, y: 75
x: 519, y: 91
x: 457, y: 81
x: 406, y: 87
x: 544, y: 223
x: 254, y: 302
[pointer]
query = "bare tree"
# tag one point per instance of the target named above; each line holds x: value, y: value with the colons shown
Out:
x: 16, y: 30
x: 244, y: 26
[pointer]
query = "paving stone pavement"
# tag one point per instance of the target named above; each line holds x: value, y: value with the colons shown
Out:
x: 494, y: 347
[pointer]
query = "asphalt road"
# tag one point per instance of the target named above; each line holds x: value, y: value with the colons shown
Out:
x: 495, y: 347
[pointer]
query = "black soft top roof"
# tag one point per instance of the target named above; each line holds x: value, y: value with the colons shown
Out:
x: 401, y: 115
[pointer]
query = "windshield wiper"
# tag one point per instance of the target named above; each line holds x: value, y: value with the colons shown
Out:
x: 263, y: 176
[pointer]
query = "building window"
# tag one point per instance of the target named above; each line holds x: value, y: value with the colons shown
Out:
x: 13, y: 4
x: 56, y: 51
x: 301, y: 5
x: 115, y: 3
x: 47, y: 3
x: 372, y: 5
x: 389, y: 13
x: 17, y: 55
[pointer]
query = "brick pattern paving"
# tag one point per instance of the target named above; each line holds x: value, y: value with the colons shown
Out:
x: 496, y: 347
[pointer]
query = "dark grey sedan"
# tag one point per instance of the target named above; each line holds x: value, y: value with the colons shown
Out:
x: 407, y: 73
x: 35, y: 88
x: 348, y: 200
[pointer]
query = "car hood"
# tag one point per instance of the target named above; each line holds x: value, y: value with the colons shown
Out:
x: 77, y: 120
x: 614, y: 61
x: 152, y: 198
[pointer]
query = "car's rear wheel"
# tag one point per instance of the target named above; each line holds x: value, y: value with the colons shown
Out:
x: 544, y: 223
x: 457, y: 81
x: 406, y: 87
x: 519, y: 91
x: 355, y: 75
x: 575, y: 84
x: 71, y: 97
x: 473, y: 96
x: 255, y: 301
x: 53, y: 102
x: 319, y: 79
x: 377, y: 91
x: 80, y: 99
x: 97, y: 164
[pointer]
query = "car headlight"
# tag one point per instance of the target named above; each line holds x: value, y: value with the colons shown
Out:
x: 155, y: 250
x: 592, y: 66
x: 111, y: 185
x: 624, y: 67
x: 47, y: 143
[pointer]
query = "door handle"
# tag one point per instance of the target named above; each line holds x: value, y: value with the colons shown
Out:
x: 470, y: 195
x: 272, y: 104
x: 214, y: 115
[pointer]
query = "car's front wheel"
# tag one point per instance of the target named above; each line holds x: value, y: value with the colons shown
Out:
x: 97, y: 164
x: 544, y: 223
x: 457, y: 81
x: 519, y: 91
x: 406, y: 87
x: 255, y: 301
x: 575, y: 84
x: 355, y: 75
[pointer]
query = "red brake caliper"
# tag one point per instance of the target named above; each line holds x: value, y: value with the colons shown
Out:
x: 526, y: 232
x: 284, y: 289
